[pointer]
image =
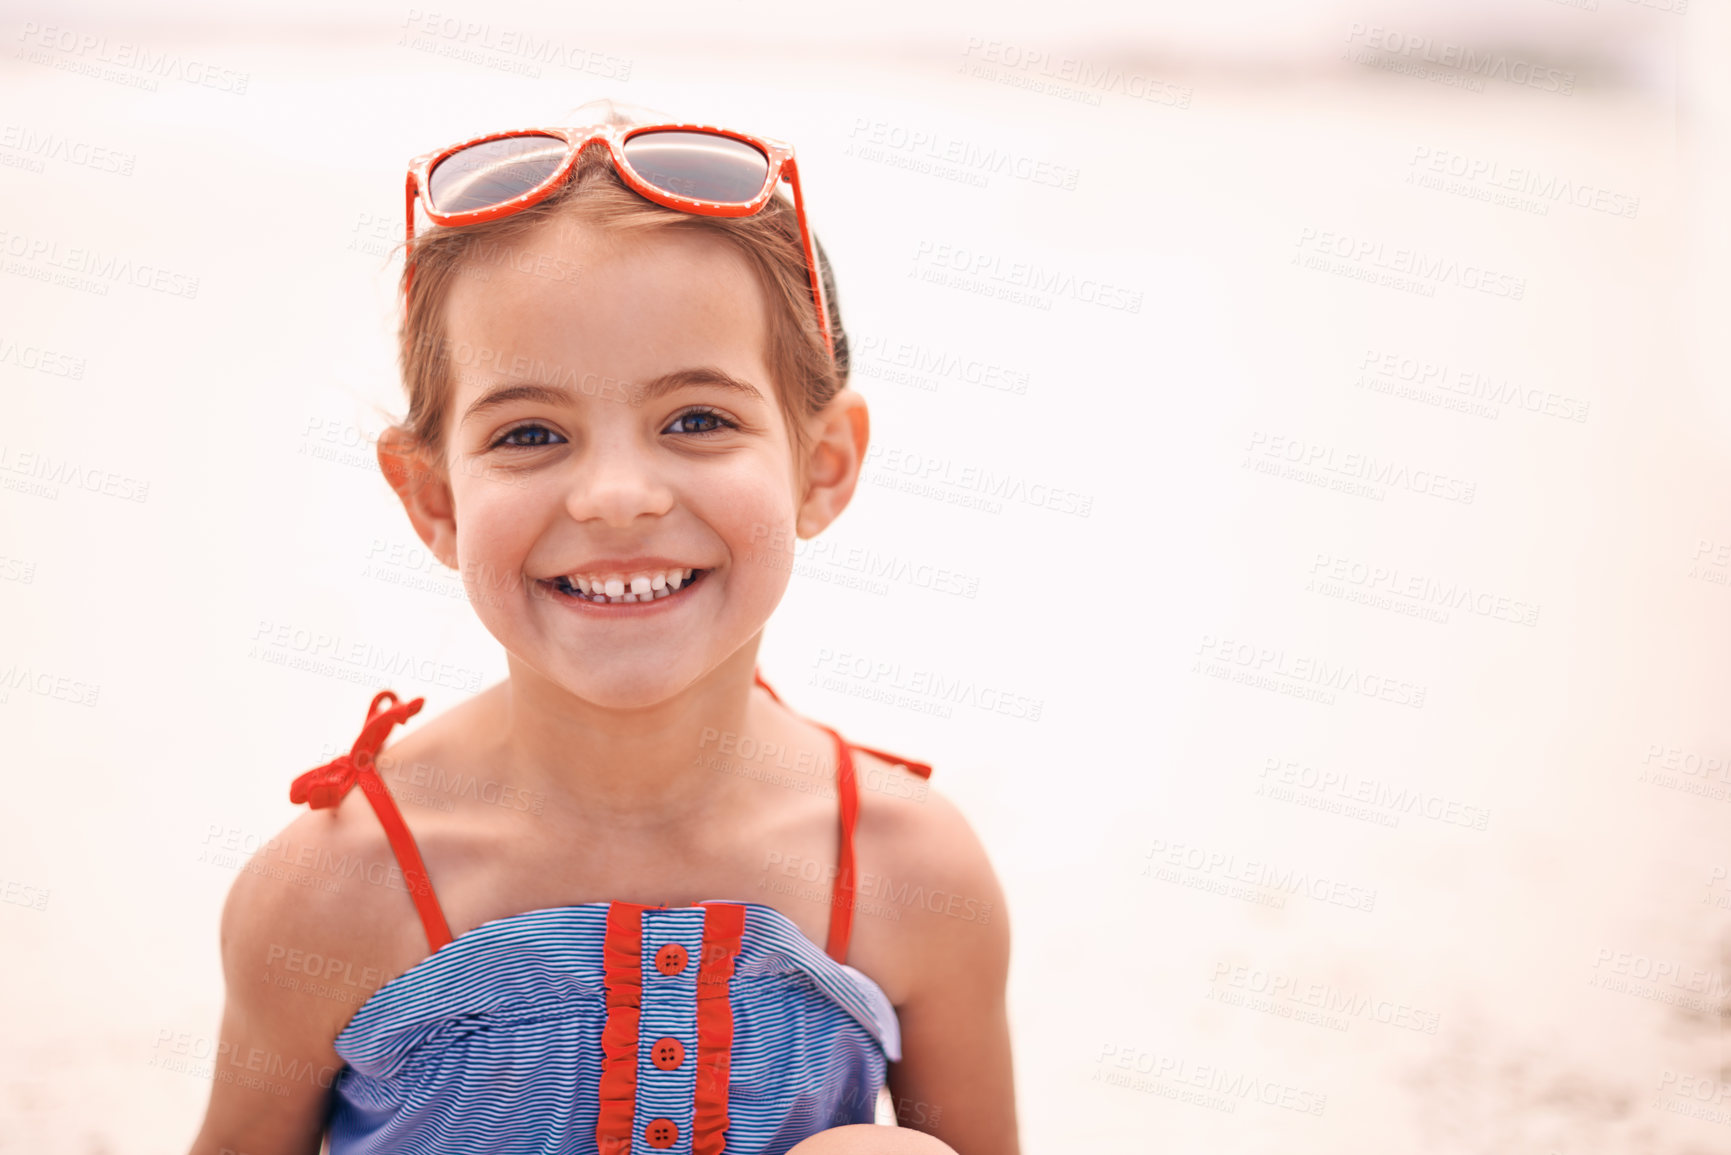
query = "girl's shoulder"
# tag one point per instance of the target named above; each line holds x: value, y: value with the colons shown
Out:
x: 927, y: 896
x: 324, y: 906
x: 312, y: 927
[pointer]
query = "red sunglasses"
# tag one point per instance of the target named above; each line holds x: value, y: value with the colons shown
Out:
x: 696, y: 168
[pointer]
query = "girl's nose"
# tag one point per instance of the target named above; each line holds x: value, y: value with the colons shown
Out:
x: 615, y: 482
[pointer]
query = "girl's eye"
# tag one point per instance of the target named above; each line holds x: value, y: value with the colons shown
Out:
x: 526, y: 437
x: 692, y: 423
x: 701, y: 418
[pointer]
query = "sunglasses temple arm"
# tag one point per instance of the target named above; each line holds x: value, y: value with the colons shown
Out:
x: 790, y: 173
x: 409, y: 232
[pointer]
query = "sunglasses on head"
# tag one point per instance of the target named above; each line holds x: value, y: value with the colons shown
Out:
x: 695, y: 168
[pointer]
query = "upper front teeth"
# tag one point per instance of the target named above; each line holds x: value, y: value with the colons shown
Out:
x: 631, y: 587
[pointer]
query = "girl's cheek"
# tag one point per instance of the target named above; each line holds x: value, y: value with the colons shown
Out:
x: 490, y: 518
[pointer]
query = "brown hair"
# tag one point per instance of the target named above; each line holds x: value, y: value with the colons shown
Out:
x: 805, y: 380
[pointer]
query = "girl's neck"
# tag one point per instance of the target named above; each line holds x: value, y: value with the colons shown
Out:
x: 658, y: 768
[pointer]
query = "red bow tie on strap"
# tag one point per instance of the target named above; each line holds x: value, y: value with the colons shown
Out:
x: 326, y: 785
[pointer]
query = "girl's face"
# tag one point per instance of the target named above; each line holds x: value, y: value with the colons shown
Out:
x: 611, y: 402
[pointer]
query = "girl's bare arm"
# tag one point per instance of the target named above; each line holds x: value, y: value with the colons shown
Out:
x: 955, y: 1078
x: 275, y: 1063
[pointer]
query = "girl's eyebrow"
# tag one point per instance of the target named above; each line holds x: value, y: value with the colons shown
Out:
x: 535, y: 391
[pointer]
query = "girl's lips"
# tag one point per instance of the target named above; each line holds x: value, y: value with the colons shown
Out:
x: 556, y: 592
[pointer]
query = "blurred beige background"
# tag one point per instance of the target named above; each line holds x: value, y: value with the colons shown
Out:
x: 1376, y: 800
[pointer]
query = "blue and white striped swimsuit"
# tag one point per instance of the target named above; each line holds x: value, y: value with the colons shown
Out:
x: 610, y: 1027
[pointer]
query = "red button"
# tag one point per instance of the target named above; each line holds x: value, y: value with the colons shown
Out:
x: 670, y: 959
x: 667, y: 1053
x: 661, y: 1133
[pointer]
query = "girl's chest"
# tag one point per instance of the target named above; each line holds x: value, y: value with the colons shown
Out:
x: 789, y: 864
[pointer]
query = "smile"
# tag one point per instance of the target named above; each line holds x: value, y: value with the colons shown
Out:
x: 659, y: 588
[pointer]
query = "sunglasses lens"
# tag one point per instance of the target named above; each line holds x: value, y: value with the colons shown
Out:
x: 494, y: 171
x: 699, y: 165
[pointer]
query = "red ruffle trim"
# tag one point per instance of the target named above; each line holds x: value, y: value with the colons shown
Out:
x: 723, y: 924
x: 622, y: 965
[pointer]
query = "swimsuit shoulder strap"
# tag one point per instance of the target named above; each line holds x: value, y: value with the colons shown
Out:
x: 841, y: 900
x: 326, y: 785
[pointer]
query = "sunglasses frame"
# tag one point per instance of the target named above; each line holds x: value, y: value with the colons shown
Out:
x: 781, y: 167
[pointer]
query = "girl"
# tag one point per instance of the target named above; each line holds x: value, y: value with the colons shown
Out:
x: 599, y: 907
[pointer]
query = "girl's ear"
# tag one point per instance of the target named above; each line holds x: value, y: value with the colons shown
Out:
x: 833, y: 465
x: 424, y: 490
